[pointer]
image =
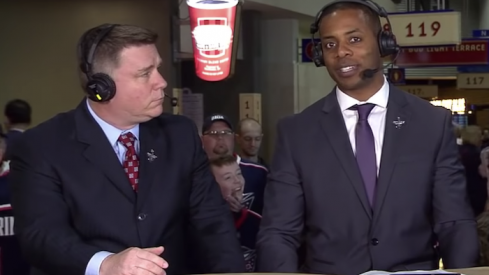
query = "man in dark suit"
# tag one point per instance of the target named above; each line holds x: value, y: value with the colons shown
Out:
x: 111, y: 187
x: 364, y: 191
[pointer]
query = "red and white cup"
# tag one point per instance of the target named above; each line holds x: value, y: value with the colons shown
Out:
x: 212, y: 26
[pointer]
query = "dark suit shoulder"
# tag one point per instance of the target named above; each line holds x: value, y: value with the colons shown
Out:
x: 424, y: 108
x: 303, y: 120
x: 49, y: 131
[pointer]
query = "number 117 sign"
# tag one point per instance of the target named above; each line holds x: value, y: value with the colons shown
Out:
x: 426, y: 28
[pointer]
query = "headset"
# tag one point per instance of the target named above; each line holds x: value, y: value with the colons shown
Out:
x: 386, y: 39
x: 100, y: 87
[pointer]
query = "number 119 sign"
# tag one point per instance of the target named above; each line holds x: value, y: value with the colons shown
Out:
x: 426, y: 28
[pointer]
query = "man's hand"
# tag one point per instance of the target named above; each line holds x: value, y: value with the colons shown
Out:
x: 135, y: 261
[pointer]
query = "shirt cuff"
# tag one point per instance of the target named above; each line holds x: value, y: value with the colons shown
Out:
x: 93, y: 267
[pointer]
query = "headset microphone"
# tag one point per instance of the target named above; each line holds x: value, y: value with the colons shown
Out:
x: 369, y: 73
x: 174, y: 100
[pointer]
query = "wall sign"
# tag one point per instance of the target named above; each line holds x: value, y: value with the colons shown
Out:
x: 469, y: 52
x: 213, y: 24
x: 473, y: 81
x: 424, y: 91
x: 250, y: 106
x: 426, y: 28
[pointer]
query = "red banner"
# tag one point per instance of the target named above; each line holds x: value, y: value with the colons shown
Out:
x: 212, y: 23
x: 469, y: 52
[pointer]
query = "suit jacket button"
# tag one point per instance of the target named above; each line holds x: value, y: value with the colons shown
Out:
x: 374, y: 241
x: 141, y: 216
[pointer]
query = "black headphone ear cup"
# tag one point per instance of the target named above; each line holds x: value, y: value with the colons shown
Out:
x: 387, y: 44
x: 318, y: 55
x: 101, y: 87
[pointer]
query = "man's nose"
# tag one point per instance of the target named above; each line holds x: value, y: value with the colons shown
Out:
x: 161, y: 82
x: 343, y: 50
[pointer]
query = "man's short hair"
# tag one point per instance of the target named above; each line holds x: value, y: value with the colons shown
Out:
x: 223, y: 161
x: 107, y: 54
x: 372, y: 17
x: 18, y: 111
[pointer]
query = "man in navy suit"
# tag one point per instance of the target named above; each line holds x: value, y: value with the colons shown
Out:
x: 368, y: 177
x: 112, y: 187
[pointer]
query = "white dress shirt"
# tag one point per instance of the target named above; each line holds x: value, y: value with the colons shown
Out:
x: 112, y: 134
x: 376, y: 119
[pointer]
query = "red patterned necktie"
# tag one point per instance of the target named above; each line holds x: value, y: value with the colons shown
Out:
x: 131, y: 159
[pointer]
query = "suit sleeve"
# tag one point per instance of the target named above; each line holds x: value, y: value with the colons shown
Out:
x: 283, y: 215
x: 454, y: 220
x: 42, y: 218
x: 219, y: 250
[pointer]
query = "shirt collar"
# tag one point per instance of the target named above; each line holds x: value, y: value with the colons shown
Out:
x: 4, y: 168
x: 380, y: 98
x: 110, y: 131
x: 238, y: 158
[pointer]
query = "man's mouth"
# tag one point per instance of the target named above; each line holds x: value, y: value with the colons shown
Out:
x: 347, y: 71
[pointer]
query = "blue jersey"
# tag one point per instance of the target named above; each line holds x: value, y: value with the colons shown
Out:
x: 255, y: 176
x: 247, y: 222
x: 11, y: 260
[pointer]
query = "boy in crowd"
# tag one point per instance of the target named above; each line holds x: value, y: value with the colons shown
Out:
x: 228, y: 175
x: 218, y: 141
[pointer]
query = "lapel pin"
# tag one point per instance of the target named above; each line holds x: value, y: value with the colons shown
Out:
x: 151, y: 155
x: 398, y: 123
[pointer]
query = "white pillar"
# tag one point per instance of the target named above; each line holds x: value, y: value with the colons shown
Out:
x: 484, y: 15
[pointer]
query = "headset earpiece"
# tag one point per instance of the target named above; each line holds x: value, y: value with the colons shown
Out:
x: 318, y: 54
x: 387, y: 44
x: 100, y: 87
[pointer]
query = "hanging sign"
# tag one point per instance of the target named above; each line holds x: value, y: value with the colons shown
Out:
x: 213, y: 24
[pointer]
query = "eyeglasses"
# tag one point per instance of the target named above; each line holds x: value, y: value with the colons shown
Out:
x: 222, y: 133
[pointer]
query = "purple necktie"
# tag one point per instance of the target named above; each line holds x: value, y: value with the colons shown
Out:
x: 365, y: 150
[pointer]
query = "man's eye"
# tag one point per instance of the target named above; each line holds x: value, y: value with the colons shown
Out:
x: 355, y: 39
x: 329, y: 45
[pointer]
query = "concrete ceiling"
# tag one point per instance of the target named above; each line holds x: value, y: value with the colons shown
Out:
x: 271, y: 12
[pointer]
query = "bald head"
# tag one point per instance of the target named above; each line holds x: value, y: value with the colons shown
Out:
x: 249, y: 137
x: 248, y: 124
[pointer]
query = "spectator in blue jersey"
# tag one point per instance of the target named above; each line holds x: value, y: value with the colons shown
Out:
x: 218, y: 140
x: 249, y: 137
x: 230, y: 179
x: 11, y: 260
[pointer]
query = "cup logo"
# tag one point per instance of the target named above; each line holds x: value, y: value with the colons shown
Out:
x: 212, y: 24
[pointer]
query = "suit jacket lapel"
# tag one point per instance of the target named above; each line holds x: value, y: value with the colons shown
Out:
x: 397, y: 111
x: 153, y: 165
x: 100, y: 152
x: 334, y: 128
